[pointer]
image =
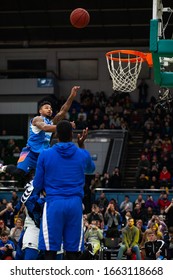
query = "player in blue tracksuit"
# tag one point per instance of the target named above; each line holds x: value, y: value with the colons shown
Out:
x: 41, y: 129
x: 61, y: 173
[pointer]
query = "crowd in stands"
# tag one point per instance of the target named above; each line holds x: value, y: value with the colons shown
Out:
x: 106, y: 218
x: 97, y: 111
x: 155, y: 166
x: 147, y: 215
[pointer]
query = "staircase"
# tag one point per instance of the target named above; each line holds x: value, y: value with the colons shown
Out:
x: 134, y: 148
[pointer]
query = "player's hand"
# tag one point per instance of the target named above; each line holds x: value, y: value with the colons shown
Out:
x: 73, y: 125
x: 81, y: 137
x: 74, y: 90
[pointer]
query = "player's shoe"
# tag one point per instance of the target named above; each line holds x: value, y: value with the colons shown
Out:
x: 2, y: 168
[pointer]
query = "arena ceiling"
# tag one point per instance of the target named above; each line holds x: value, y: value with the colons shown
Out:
x: 45, y: 23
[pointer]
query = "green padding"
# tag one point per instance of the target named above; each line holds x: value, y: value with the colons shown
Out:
x: 160, y: 48
x: 156, y: 66
x: 153, y: 35
x: 165, y: 48
x: 166, y: 79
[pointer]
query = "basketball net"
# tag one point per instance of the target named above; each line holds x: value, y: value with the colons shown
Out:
x: 124, y: 75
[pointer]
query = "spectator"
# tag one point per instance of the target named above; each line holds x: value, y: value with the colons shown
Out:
x: 155, y: 228
x: 81, y: 123
x: 142, y: 181
x: 140, y: 201
x: 3, y: 227
x: 128, y: 215
x: 130, y: 239
x: 8, y: 215
x: 95, y: 183
x: 154, y: 248
x: 166, y: 161
x: 93, y: 235
x: 14, y: 199
x: 115, y: 122
x: 147, y: 153
x: 163, y: 202
x: 139, y: 225
x: 96, y: 122
x: 6, y: 247
x: 153, y: 182
x: 85, y: 223
x: 143, y: 166
x: 115, y: 178
x: 102, y: 202
x: 162, y: 227
x: 151, y: 203
x: 170, y: 244
x: 149, y: 212
x: 117, y: 108
x: 138, y: 213
x: 143, y: 94
x: 126, y: 205
x: 166, y: 143
x: 15, y: 232
x: 135, y: 121
x: 95, y: 214
x: 108, y: 108
x: 169, y: 214
x: 154, y: 172
x: 3, y: 204
x: 105, y: 180
x: 73, y: 115
x: 155, y: 162
x: 105, y: 122
x: 112, y: 219
x: 167, y: 129
x: 83, y: 114
x: 164, y: 177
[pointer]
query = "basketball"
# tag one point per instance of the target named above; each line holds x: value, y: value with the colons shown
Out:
x: 79, y: 18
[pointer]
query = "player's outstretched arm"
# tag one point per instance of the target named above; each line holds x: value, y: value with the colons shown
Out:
x: 64, y: 109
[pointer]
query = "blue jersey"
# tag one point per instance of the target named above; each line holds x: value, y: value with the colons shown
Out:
x: 39, y: 139
x: 37, y: 142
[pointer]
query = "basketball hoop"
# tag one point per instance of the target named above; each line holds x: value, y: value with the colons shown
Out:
x: 124, y: 67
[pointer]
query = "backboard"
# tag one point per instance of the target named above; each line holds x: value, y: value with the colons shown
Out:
x: 160, y: 46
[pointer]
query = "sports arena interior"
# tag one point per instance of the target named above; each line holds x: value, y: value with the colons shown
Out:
x: 130, y: 138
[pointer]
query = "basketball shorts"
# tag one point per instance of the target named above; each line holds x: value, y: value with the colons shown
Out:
x: 27, y: 160
x: 62, y: 222
x: 30, y: 238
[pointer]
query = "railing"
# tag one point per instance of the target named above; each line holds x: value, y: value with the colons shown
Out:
x: 9, y: 185
x: 123, y: 190
x: 119, y: 194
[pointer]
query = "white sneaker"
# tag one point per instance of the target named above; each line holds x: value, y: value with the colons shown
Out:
x: 2, y: 168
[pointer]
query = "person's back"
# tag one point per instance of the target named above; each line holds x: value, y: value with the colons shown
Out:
x: 65, y: 166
